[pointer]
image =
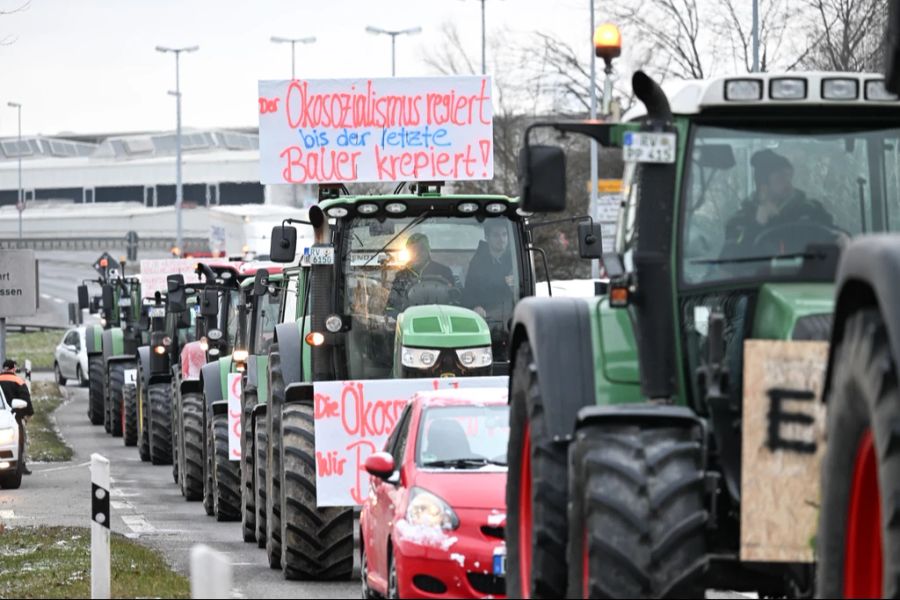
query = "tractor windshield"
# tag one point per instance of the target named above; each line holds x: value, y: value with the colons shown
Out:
x: 762, y: 203
x: 392, y: 265
x: 266, y: 320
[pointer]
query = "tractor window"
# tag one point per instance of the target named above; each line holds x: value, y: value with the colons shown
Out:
x: 437, y: 260
x: 756, y: 203
x: 232, y: 315
x: 266, y: 320
x: 289, y: 311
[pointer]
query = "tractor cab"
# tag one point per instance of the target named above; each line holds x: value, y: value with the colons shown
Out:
x: 412, y: 285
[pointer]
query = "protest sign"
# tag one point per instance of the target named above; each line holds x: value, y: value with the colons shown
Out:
x: 234, y: 416
x: 154, y: 273
x: 397, y: 129
x: 353, y: 419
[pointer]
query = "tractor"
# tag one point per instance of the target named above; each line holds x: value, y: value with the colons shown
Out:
x: 369, y: 306
x: 654, y: 449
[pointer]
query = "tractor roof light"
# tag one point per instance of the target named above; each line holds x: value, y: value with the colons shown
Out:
x: 743, y: 90
x: 876, y: 91
x: 495, y: 208
x: 395, y: 208
x: 787, y: 89
x: 367, y: 209
x: 607, y: 42
x: 337, y: 212
x: 840, y: 89
x: 468, y: 207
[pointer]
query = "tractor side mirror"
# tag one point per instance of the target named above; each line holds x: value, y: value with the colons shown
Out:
x: 95, y: 305
x: 209, y: 303
x: 589, y: 240
x: 84, y: 300
x: 542, y: 173
x: 261, y: 283
x: 284, y: 244
x: 176, y: 300
x: 108, y: 300
x: 381, y: 465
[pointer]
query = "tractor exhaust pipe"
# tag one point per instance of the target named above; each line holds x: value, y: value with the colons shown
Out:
x: 652, y: 96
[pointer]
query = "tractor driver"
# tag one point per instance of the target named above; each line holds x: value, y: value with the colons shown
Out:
x: 419, y: 267
x: 489, y: 280
x: 775, y: 202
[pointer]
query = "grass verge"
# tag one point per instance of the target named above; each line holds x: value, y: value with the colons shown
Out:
x: 44, y: 442
x: 37, y: 346
x: 55, y: 562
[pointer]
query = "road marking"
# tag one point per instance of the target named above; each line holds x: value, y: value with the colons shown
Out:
x: 138, y: 524
x: 59, y: 300
x: 7, y: 514
x: 121, y: 505
x: 45, y: 296
x: 84, y: 464
x: 122, y: 494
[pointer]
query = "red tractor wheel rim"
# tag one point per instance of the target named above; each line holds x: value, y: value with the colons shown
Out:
x: 585, y: 568
x: 123, y: 416
x: 862, y: 552
x: 525, y: 523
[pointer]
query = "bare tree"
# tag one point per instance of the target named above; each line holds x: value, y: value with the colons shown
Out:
x: 845, y: 35
x: 9, y: 39
x: 733, y: 27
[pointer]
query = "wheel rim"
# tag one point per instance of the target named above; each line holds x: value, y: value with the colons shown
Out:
x: 585, y: 568
x: 123, y: 416
x: 862, y: 552
x: 525, y: 519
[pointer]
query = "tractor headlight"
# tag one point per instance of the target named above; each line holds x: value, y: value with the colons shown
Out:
x: 204, y: 344
x: 240, y: 356
x: 418, y: 358
x: 426, y: 509
x: 213, y: 351
x: 8, y: 435
x: 333, y: 323
x: 475, y: 357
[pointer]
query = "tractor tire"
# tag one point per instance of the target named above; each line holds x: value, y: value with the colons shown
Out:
x: 858, y: 542
x: 261, y: 444
x: 273, y: 459
x: 537, y: 492
x: 129, y: 415
x: 95, y: 389
x: 160, y: 430
x: 143, y: 422
x: 316, y: 542
x: 209, y: 466
x: 115, y: 385
x: 248, y: 498
x: 226, y: 473
x: 175, y: 420
x: 192, y: 446
x: 637, y: 494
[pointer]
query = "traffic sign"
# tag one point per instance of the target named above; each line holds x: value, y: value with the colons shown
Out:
x: 106, y: 264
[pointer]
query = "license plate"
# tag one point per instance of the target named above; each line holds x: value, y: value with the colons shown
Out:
x: 500, y: 562
x: 159, y: 311
x: 647, y: 147
x: 130, y: 376
x: 322, y: 255
x: 125, y: 302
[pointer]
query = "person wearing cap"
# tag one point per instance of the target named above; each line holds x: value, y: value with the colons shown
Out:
x: 419, y: 267
x: 775, y: 202
x: 489, y: 279
x: 15, y: 388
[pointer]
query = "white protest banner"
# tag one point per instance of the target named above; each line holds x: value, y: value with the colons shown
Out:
x: 154, y: 273
x: 234, y: 416
x: 353, y: 419
x: 397, y: 129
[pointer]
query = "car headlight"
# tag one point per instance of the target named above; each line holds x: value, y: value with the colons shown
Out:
x: 475, y: 357
x: 418, y: 358
x: 8, y: 435
x: 428, y: 510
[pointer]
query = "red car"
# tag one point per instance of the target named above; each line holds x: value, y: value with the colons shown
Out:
x: 433, y: 523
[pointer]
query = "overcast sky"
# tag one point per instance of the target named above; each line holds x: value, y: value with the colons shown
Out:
x: 89, y: 66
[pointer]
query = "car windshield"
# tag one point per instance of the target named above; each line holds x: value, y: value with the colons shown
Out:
x: 761, y: 203
x: 463, y: 437
x: 392, y: 265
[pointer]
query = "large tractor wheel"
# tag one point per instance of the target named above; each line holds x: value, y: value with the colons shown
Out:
x: 192, y: 447
x: 143, y: 403
x: 317, y: 543
x: 226, y: 473
x: 261, y: 445
x: 248, y: 498
x: 95, y: 389
x: 536, y: 493
x: 129, y: 415
x: 114, y: 388
x: 175, y: 420
x: 859, y: 528
x: 273, y: 459
x: 160, y: 397
x: 637, y: 513
x: 209, y: 466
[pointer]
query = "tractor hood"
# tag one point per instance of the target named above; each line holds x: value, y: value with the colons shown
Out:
x: 442, y: 326
x: 787, y: 311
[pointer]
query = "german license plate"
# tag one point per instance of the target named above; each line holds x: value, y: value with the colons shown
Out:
x: 157, y: 311
x: 500, y: 562
x: 321, y: 255
x: 648, y: 147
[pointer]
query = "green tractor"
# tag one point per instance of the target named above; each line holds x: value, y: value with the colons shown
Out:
x: 120, y: 344
x: 391, y: 290
x: 649, y: 450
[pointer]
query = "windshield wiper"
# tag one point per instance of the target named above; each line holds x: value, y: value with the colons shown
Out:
x: 752, y: 259
x: 462, y: 463
x: 409, y: 225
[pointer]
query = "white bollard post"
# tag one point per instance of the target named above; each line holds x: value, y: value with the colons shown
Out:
x: 210, y: 573
x: 100, y: 517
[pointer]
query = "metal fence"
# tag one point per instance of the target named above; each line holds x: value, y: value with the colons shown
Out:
x: 101, y: 243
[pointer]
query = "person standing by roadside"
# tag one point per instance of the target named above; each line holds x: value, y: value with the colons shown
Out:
x: 14, y: 387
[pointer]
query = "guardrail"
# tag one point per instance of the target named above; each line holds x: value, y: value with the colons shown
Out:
x: 102, y: 243
x: 11, y: 327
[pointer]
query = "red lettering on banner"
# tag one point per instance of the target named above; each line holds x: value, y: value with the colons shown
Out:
x: 361, y: 455
x: 330, y: 464
x: 268, y: 105
x: 424, y: 165
x: 367, y: 419
x: 325, y: 407
x: 320, y: 164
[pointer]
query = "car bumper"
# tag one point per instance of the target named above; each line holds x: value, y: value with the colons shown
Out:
x: 459, y: 567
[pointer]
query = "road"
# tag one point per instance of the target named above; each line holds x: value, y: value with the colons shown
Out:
x: 146, y: 505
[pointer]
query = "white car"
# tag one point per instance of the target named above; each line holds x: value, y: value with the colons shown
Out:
x: 70, y: 360
x: 10, y: 449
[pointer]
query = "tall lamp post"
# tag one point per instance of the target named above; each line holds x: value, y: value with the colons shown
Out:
x: 393, y: 33
x: 20, y: 203
x: 179, y: 191
x: 293, y: 42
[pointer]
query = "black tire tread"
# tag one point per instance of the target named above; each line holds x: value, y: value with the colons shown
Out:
x: 273, y: 459
x: 95, y: 389
x: 226, y: 474
x: 261, y: 445
x: 160, y: 396
x: 248, y: 496
x: 129, y: 406
x: 114, y: 396
x: 192, y: 420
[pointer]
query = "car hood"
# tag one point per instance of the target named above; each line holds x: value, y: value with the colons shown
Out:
x: 484, y: 488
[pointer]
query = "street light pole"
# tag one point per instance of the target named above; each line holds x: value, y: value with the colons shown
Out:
x: 483, y: 35
x: 755, y: 36
x: 20, y: 204
x: 393, y: 33
x: 293, y: 42
x: 595, y: 265
x: 179, y: 189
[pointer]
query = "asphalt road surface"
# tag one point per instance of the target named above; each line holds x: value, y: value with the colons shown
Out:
x: 146, y: 505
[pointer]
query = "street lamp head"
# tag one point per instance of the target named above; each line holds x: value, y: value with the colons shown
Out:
x: 190, y: 49
x: 14, y: 105
x: 412, y: 30
x: 279, y: 39
x: 375, y: 30
x: 162, y: 49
